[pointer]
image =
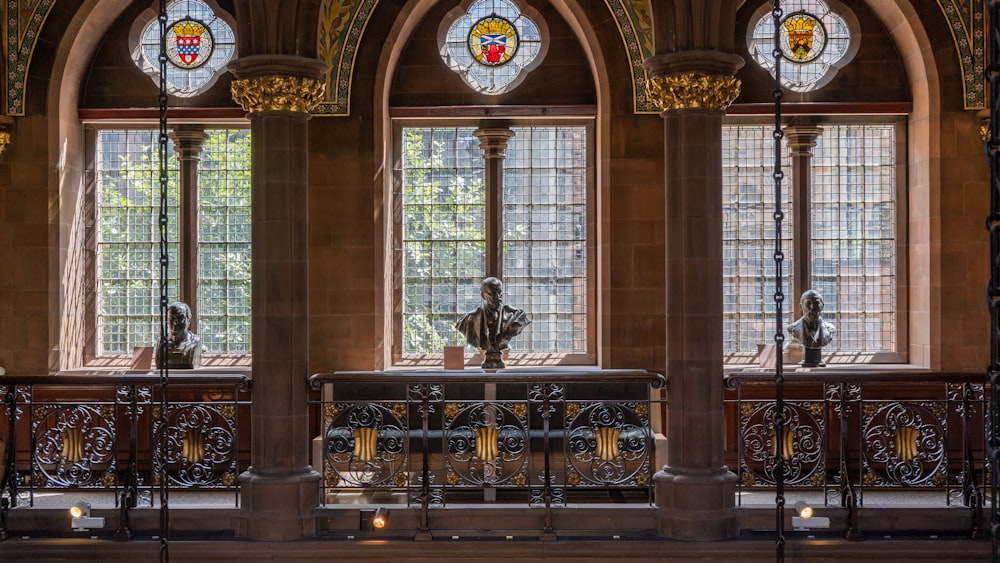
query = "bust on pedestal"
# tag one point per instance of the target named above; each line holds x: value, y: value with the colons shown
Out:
x: 182, y: 349
x: 811, y: 332
x: 491, y: 326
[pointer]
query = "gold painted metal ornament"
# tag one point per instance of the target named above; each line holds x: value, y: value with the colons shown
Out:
x: 278, y: 93
x: 693, y: 90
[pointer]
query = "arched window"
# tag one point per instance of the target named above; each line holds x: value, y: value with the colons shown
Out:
x: 125, y: 236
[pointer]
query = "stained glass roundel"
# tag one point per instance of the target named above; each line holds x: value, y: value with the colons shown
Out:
x: 189, y: 43
x: 493, y: 41
x: 816, y: 40
x: 491, y: 45
x: 803, y: 37
x: 199, y: 46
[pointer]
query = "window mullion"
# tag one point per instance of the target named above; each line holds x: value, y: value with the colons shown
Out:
x: 801, y: 141
x: 188, y: 142
x: 493, y: 141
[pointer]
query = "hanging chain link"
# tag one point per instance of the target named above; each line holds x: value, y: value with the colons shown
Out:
x: 779, y: 299
x: 164, y: 263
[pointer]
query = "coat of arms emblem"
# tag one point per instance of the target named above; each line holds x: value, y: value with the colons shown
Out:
x: 189, y: 44
x: 493, y: 41
x: 805, y: 37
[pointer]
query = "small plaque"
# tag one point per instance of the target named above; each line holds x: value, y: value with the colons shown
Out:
x: 142, y: 358
x: 766, y: 356
x: 454, y: 357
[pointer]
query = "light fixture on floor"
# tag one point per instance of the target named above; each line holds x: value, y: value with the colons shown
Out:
x: 803, y: 509
x: 81, y: 520
x: 805, y: 519
x: 381, y: 518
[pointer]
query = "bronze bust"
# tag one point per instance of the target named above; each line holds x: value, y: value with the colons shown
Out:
x: 491, y: 326
x: 183, y: 347
x: 811, y: 331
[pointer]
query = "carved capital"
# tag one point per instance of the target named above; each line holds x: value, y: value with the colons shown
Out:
x: 493, y: 141
x: 188, y: 140
x: 802, y: 138
x: 6, y: 122
x: 693, y: 90
x: 278, y: 93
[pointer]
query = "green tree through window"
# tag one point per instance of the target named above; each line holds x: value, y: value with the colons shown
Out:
x: 127, y: 242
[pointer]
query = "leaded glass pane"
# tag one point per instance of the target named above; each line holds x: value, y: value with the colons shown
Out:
x: 545, y: 218
x: 853, y: 234
x: 443, y: 210
x: 128, y: 239
x: 224, y: 242
x: 443, y: 233
x: 748, y: 238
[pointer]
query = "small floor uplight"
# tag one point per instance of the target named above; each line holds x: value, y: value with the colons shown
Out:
x: 805, y: 519
x: 81, y: 520
x: 803, y: 509
x: 381, y: 518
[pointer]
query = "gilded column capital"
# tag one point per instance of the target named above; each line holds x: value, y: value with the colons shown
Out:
x: 278, y: 93
x: 6, y: 122
x: 693, y: 90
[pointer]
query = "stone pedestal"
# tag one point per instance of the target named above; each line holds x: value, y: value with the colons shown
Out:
x: 278, y: 507
x: 701, y: 505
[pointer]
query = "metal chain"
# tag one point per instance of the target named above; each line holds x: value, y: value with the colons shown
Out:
x: 992, y: 142
x: 779, y: 298
x: 164, y: 263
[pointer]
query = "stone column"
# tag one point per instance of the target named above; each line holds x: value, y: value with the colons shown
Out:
x: 801, y: 139
x: 280, y: 491
x: 188, y: 140
x: 695, y: 490
x: 493, y: 141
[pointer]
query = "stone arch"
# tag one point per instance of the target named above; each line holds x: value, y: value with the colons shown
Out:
x: 576, y: 16
x: 908, y: 32
x: 924, y: 185
x: 80, y: 40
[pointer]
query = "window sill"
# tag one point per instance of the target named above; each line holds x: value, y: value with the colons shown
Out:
x: 119, y: 370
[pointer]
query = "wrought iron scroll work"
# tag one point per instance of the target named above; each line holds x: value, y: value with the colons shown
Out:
x: 993, y: 291
x: 8, y: 484
x: 130, y: 491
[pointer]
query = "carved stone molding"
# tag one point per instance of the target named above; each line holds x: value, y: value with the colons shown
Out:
x: 278, y: 93
x: 693, y: 90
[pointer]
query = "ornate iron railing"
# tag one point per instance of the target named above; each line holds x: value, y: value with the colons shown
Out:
x: 100, y: 433
x: 846, y: 433
x: 433, y: 434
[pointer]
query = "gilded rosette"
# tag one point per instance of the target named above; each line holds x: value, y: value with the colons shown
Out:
x: 278, y: 93
x: 693, y: 90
